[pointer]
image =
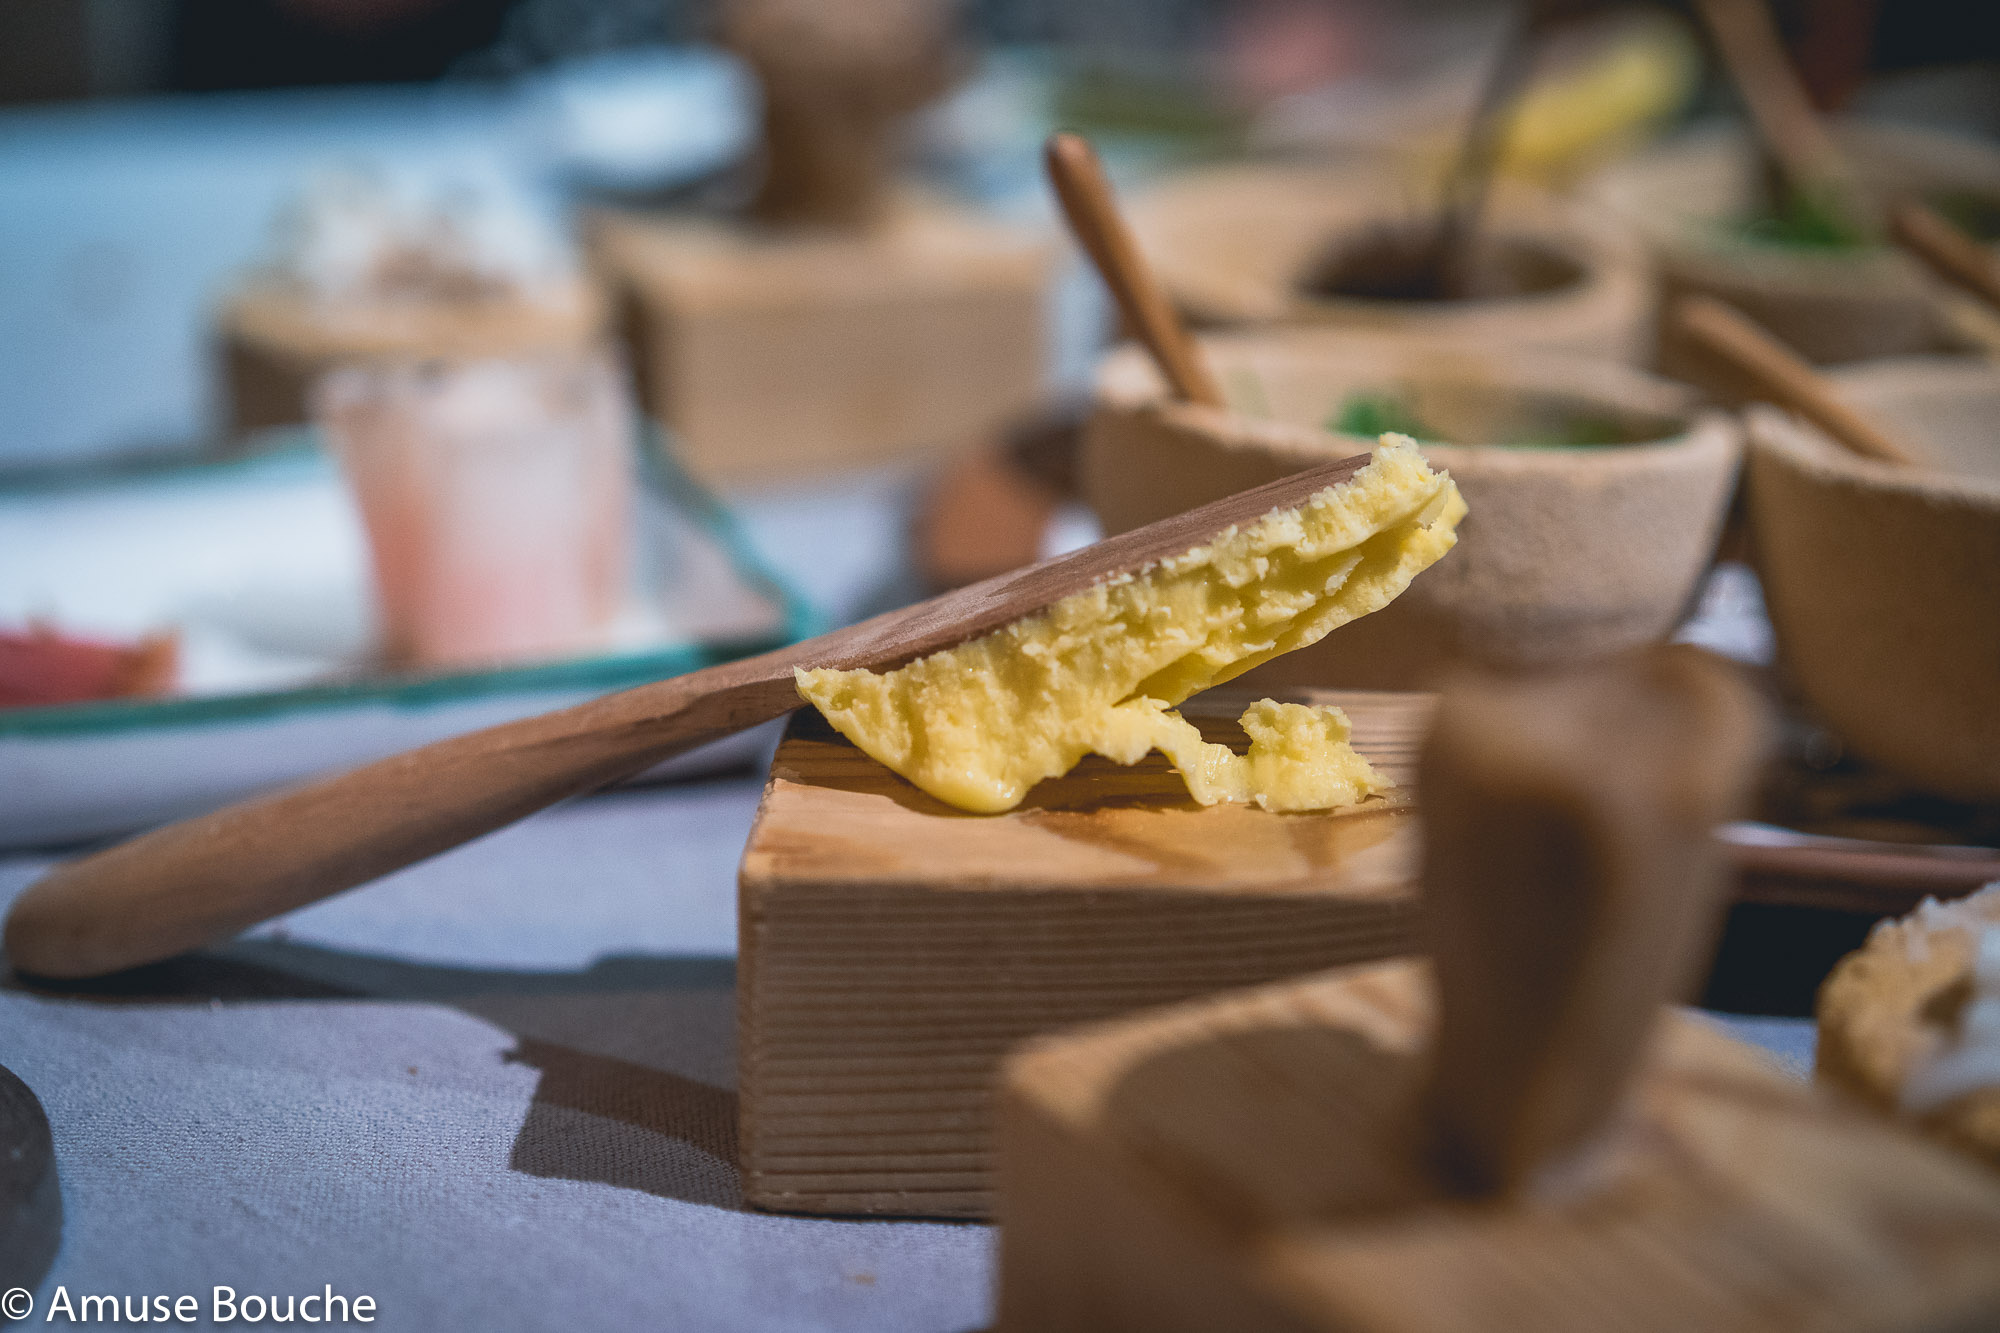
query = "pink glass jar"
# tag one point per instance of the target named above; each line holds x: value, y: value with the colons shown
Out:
x: 497, y: 497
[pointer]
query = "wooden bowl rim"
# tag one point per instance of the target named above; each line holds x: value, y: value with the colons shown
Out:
x: 1804, y: 452
x: 1603, y: 245
x: 1706, y: 433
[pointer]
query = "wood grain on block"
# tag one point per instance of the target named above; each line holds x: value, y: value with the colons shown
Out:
x: 1231, y: 1163
x: 774, y: 354
x: 893, y: 949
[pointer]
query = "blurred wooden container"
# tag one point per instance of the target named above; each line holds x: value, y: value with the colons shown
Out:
x: 1226, y: 1164
x: 782, y: 354
x: 1566, y: 553
x: 893, y: 948
x: 1883, y: 583
x: 277, y: 341
x: 1234, y: 245
x: 1689, y: 198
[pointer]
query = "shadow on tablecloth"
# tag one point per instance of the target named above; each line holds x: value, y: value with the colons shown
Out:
x: 636, y: 1053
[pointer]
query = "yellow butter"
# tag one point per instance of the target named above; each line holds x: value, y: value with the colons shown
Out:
x: 979, y: 724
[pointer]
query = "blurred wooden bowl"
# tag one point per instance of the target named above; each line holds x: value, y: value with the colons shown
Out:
x: 1568, y: 552
x: 1235, y: 245
x: 1883, y: 583
x: 1688, y: 198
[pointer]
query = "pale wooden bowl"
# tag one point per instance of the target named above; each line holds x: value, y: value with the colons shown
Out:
x: 1566, y: 553
x: 1232, y: 243
x: 1831, y: 305
x: 1883, y: 583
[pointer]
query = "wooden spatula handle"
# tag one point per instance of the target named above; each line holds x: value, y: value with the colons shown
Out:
x: 1784, y: 377
x: 192, y: 883
x: 1092, y: 210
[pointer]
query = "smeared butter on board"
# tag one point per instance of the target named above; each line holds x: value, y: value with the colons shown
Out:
x: 979, y: 724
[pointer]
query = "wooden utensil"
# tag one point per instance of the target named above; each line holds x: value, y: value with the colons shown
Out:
x: 1787, y: 125
x: 1470, y: 180
x: 190, y: 883
x: 1092, y: 210
x: 1787, y: 378
x: 1859, y: 875
x: 1947, y: 251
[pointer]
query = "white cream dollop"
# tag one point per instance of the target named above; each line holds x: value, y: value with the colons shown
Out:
x: 1970, y: 1061
x: 367, y: 235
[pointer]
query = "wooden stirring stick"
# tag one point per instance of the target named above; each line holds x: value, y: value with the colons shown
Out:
x: 1785, y: 377
x: 1948, y: 252
x: 1469, y: 182
x: 1786, y: 123
x: 1092, y: 210
x: 194, y: 882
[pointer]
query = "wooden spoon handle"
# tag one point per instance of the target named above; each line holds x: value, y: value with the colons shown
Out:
x: 1785, y: 377
x: 1783, y: 114
x: 1092, y: 210
x: 1948, y: 252
x: 192, y: 883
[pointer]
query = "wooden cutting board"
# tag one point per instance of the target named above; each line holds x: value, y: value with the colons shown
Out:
x: 893, y: 949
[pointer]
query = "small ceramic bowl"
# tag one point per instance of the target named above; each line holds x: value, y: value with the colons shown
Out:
x: 1569, y: 550
x: 1250, y: 244
x: 1883, y: 582
x: 1690, y: 199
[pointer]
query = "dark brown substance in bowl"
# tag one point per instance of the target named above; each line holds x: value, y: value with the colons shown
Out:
x: 1401, y: 262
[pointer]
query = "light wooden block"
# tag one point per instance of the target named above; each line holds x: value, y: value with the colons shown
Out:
x: 893, y: 949
x: 1235, y: 1163
x: 774, y: 354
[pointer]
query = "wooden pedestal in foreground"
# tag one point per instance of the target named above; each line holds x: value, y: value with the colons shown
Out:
x: 1233, y: 1163
x: 893, y: 949
x: 773, y: 355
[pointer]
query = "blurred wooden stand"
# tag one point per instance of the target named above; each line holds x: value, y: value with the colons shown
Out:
x: 842, y: 322
x: 1519, y: 1140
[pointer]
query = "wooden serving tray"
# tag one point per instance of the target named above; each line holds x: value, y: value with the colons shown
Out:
x: 893, y: 949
